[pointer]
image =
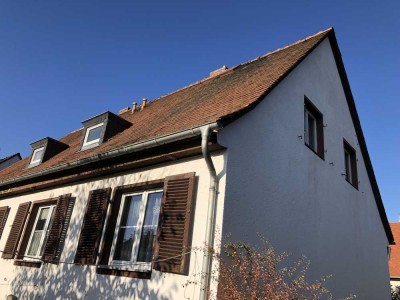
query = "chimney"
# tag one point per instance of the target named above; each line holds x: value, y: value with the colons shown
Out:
x: 218, y: 71
x: 143, y: 104
x: 133, y: 107
x: 123, y: 110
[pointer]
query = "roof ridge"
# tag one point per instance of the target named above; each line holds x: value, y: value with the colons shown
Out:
x: 245, y: 63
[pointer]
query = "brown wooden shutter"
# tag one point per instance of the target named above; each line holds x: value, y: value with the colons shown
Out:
x: 92, y: 227
x: 16, y: 230
x: 54, y: 239
x: 174, y: 237
x: 3, y: 218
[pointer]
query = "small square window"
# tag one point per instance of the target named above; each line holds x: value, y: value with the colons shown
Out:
x: 313, y: 128
x: 37, y: 156
x: 136, y: 230
x: 92, y: 136
x: 40, y: 232
x: 350, y: 164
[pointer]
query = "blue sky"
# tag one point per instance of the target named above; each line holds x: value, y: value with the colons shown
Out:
x: 62, y: 62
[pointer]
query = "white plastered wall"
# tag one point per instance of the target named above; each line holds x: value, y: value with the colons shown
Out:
x: 300, y: 203
x: 67, y: 281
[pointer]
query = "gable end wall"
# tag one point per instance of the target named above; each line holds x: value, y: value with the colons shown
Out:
x: 299, y: 202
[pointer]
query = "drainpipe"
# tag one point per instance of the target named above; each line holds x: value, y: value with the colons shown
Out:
x: 210, y: 221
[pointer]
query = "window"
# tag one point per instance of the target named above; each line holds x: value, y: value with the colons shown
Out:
x: 313, y: 128
x: 350, y: 164
x: 129, y: 236
x: 42, y: 236
x: 136, y: 230
x: 40, y: 232
x: 92, y: 136
x: 44, y: 149
x: 37, y: 156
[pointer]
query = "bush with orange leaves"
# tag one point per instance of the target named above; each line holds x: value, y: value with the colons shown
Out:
x: 248, y: 273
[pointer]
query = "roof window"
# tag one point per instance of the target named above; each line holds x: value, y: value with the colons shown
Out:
x: 45, y: 149
x: 37, y: 156
x: 92, y: 136
x: 101, y: 128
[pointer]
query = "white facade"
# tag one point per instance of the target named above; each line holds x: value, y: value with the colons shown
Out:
x: 68, y: 281
x: 300, y: 203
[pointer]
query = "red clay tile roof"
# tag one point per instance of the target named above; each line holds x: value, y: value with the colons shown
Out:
x: 211, y: 99
x: 394, y: 262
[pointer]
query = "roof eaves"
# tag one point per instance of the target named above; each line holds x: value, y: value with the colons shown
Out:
x: 142, y: 145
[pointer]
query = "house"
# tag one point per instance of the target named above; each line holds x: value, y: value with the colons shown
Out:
x: 394, y: 257
x: 119, y: 208
x: 9, y: 160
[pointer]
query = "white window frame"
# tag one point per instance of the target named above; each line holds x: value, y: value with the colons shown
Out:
x: 307, y: 113
x: 37, y: 161
x: 44, y: 236
x: 132, y: 264
x: 95, y: 142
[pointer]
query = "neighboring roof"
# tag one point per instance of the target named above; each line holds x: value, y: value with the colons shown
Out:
x: 221, y: 98
x: 394, y: 261
x: 3, y: 160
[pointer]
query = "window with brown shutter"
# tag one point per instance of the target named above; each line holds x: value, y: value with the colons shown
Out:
x: 174, y: 239
x: 148, y: 220
x: 16, y: 230
x: 3, y: 218
x: 92, y: 227
x: 55, y: 240
x: 42, y: 239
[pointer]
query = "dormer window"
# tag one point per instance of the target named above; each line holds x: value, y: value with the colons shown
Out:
x: 45, y: 149
x: 93, y: 136
x: 37, y: 157
x: 101, y: 128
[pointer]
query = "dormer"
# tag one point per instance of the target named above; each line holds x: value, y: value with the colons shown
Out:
x: 99, y: 129
x: 45, y: 149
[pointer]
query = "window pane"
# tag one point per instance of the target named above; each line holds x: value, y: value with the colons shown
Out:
x: 146, y: 245
x: 131, y: 210
x: 94, y: 134
x: 123, y: 249
x: 34, y: 246
x: 41, y: 222
x: 152, y: 209
x: 347, y: 165
x: 311, y: 132
x: 37, y: 155
x: 149, y: 230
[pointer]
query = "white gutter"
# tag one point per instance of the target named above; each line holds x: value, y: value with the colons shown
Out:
x: 210, y: 221
x: 166, y: 139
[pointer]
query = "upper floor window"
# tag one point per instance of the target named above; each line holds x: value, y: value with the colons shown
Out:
x: 99, y: 129
x: 37, y: 156
x: 44, y: 149
x: 136, y: 230
x: 92, y: 136
x: 350, y: 164
x: 313, y: 128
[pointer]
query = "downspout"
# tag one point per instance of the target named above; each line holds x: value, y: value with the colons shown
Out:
x: 210, y: 221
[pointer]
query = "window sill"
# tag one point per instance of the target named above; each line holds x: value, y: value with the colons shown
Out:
x: 321, y: 156
x: 110, y: 270
x: 30, y: 264
x: 354, y: 186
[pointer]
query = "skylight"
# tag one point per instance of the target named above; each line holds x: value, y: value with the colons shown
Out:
x: 36, y: 156
x: 92, y: 136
